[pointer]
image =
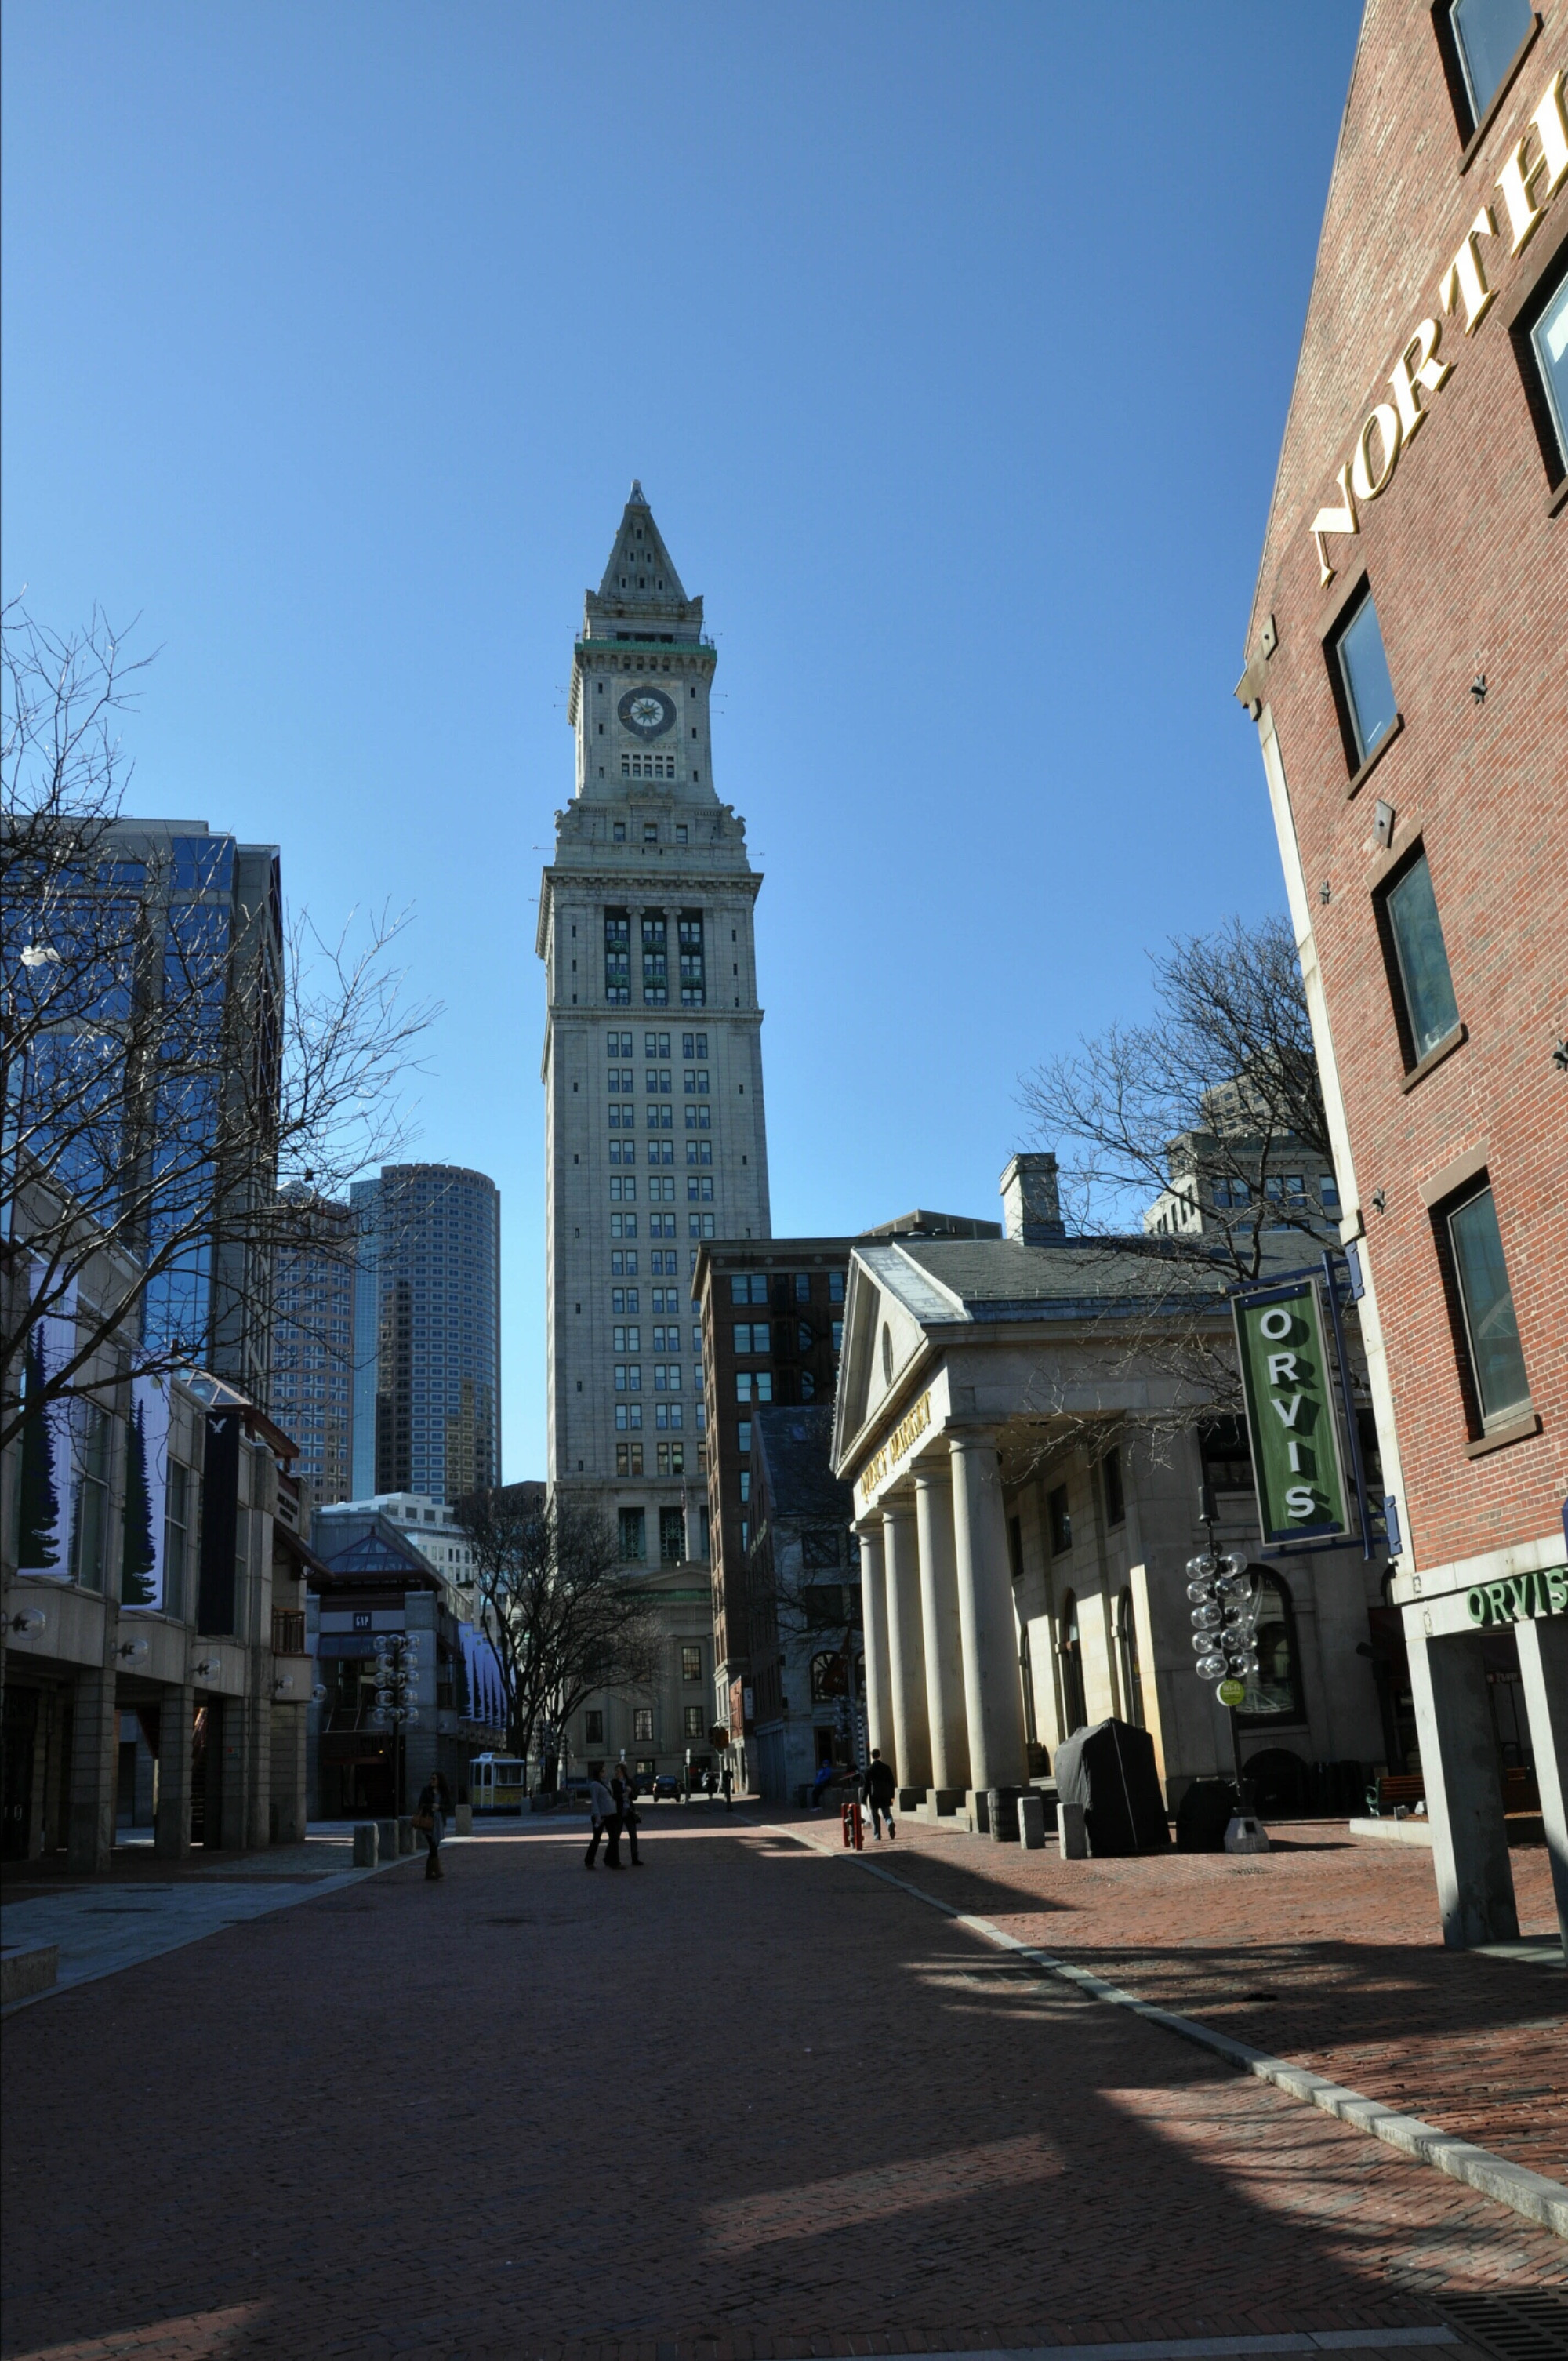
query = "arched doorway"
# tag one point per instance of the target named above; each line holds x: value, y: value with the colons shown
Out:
x: 1070, y: 1651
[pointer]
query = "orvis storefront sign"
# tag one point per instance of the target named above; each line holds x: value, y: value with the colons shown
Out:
x: 1292, y: 1418
x: 1521, y: 1598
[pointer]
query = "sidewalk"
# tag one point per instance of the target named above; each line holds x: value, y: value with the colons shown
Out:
x: 1325, y: 1951
x: 144, y: 1906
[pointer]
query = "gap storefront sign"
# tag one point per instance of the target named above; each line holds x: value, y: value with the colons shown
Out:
x: 1292, y: 1418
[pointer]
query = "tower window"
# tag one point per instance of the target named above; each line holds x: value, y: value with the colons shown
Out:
x: 618, y: 957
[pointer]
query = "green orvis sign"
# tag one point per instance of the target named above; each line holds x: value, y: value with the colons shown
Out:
x: 1292, y: 1420
x: 1521, y: 1598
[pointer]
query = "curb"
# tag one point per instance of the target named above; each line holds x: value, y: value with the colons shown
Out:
x: 1539, y: 2200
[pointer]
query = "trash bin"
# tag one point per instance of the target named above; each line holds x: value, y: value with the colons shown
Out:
x: 1002, y: 1807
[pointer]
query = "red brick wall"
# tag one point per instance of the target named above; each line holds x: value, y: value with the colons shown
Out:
x: 1468, y: 563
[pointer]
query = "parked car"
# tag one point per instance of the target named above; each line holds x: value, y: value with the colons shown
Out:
x: 666, y: 1786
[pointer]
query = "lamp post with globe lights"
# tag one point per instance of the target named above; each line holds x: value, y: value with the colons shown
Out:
x: 1225, y: 1601
x: 397, y: 1699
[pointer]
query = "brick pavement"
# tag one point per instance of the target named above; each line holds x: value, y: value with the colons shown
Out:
x: 1325, y: 1951
x: 744, y: 2102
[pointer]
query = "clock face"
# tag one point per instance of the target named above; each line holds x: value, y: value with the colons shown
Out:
x: 648, y: 711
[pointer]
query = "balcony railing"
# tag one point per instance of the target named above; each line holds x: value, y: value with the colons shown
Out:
x: 287, y: 1632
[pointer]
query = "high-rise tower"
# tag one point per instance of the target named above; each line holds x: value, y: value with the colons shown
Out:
x: 654, y: 1126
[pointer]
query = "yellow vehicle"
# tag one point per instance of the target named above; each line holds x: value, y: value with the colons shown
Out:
x: 496, y: 1782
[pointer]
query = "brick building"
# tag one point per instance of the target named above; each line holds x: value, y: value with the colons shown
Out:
x: 1408, y: 673
x: 771, y: 1319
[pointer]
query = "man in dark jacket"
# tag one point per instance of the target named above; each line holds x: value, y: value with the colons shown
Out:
x: 880, y: 1789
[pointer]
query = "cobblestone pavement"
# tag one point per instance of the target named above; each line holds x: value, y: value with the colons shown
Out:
x: 1325, y: 1951
x: 743, y: 2101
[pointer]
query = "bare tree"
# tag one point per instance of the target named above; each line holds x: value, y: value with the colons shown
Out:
x: 1213, y: 1110
x: 180, y: 1093
x: 564, y: 1621
x: 1218, y: 1092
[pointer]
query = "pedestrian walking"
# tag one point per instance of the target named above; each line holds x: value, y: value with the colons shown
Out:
x: 435, y: 1804
x: 727, y: 1781
x: 623, y: 1787
x: 880, y: 1789
x: 607, y: 1824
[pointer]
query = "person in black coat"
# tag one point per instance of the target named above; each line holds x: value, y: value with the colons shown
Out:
x: 434, y: 1803
x: 880, y: 1789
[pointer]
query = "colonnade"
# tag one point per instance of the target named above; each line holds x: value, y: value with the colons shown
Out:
x: 943, y: 1700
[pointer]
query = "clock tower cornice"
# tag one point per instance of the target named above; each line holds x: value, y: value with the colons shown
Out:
x: 637, y: 883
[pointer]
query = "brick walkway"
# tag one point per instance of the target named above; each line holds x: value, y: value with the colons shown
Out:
x: 745, y: 2101
x: 1325, y: 1951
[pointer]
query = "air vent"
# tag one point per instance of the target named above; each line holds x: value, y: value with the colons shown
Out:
x: 1528, y: 2327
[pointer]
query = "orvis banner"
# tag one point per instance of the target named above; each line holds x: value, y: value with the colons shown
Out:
x: 1292, y: 1418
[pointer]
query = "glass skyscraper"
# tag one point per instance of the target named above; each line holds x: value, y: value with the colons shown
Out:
x: 427, y: 1321
x: 313, y: 1342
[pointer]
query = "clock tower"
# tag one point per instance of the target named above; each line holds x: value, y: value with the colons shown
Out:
x: 655, y: 1136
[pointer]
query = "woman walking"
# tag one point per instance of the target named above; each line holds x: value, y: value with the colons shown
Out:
x: 434, y: 1803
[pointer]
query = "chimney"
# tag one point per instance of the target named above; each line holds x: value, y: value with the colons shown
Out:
x: 1029, y: 1209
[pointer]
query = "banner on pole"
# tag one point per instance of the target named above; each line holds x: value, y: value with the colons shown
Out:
x: 1292, y: 1417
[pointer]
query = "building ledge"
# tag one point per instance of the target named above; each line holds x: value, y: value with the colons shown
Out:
x: 1435, y: 1056
x: 1518, y: 1430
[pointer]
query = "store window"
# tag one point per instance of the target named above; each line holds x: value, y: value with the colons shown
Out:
x: 1061, y: 1520
x: 1115, y: 1497
x: 829, y: 1678
x: 633, y: 1542
x: 1416, y: 958
x: 1490, y: 1327
x: 671, y: 1536
x: 693, y: 1721
x: 1275, y: 1692
x: 643, y: 1725
x: 1367, y: 690
x: 90, y: 1438
x: 593, y: 1729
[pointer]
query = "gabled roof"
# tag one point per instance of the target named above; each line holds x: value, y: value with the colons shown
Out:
x: 379, y: 1553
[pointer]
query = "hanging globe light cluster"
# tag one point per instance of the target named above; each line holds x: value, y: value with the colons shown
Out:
x: 1225, y: 1616
x: 397, y: 1680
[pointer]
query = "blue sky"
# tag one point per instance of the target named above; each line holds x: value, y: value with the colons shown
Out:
x: 952, y: 347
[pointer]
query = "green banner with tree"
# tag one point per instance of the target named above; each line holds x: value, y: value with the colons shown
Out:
x: 1292, y: 1418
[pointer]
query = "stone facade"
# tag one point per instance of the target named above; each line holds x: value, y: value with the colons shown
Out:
x: 1422, y: 491
x: 1027, y: 1472
x: 655, y: 1133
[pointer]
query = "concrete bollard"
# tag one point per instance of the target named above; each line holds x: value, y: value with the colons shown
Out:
x: 1001, y: 1812
x: 1072, y: 1831
x: 387, y: 1832
x: 1032, y: 1823
x: 406, y: 1834
x: 465, y: 1821
x: 367, y: 1845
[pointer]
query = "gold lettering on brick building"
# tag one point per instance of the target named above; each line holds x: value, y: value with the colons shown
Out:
x: 1530, y: 177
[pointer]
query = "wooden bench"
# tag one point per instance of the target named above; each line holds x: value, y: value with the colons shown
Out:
x: 1396, y: 1791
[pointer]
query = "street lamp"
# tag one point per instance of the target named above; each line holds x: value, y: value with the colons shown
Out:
x: 28, y: 1622
x: 1225, y: 1630
x: 397, y: 1698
